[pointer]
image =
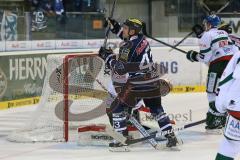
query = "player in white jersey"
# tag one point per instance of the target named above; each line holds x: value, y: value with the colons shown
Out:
x: 228, y: 101
x: 234, y: 38
x: 216, y: 52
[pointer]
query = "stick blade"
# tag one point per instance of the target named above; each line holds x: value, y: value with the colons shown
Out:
x: 117, y: 136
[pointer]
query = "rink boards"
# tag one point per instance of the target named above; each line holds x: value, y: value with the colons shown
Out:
x: 22, y: 73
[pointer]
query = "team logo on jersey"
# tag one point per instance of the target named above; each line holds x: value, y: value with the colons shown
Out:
x: 124, y: 51
x: 235, y: 124
x: 3, y: 83
x: 123, y: 55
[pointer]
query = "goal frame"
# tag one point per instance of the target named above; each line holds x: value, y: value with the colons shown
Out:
x: 66, y: 88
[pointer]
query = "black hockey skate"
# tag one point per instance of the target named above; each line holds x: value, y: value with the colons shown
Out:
x: 215, y: 124
x: 173, y: 142
x: 218, y: 130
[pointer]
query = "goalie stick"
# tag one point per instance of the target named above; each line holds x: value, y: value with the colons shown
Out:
x: 144, y: 132
x: 120, y: 137
x: 124, y: 140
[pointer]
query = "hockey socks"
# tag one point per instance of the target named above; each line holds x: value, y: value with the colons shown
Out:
x: 222, y: 157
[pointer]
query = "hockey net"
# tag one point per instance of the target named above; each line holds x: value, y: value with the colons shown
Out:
x: 70, y: 98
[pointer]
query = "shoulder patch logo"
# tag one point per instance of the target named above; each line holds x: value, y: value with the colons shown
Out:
x: 141, y: 47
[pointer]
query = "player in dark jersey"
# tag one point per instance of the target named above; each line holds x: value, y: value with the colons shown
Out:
x: 134, y: 78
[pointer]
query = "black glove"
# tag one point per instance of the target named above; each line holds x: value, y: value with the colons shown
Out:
x: 198, y: 30
x: 115, y: 26
x: 118, y: 67
x: 104, y: 53
x: 192, y: 56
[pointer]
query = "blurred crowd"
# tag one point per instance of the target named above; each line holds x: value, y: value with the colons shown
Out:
x: 40, y: 9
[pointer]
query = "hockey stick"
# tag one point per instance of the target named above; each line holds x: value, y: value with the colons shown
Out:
x: 208, y: 11
x: 108, y: 30
x: 147, y: 136
x: 154, y: 134
x: 117, y: 135
x: 107, y: 70
x: 144, y: 132
x: 205, y: 7
x: 144, y: 31
x: 223, y: 7
x: 189, y: 34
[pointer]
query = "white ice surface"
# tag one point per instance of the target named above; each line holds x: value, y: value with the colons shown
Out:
x: 197, y: 144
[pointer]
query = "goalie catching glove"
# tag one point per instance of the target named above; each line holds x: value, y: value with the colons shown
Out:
x: 192, y: 56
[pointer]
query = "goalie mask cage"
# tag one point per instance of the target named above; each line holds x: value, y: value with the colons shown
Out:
x: 70, y: 98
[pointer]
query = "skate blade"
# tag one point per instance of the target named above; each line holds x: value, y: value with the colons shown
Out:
x: 119, y: 149
x: 163, y: 147
x: 214, y: 131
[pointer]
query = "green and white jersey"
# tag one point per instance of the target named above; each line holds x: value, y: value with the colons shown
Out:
x: 229, y: 86
x: 214, y: 45
x: 235, y: 39
x: 232, y: 71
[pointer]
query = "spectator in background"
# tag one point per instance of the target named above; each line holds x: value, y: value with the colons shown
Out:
x: 77, y: 5
x: 58, y: 7
x: 89, y: 5
x: 42, y: 5
x: 43, y: 8
x: 59, y: 10
x: 39, y: 8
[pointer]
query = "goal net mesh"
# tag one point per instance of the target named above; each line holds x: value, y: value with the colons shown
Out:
x: 71, y: 97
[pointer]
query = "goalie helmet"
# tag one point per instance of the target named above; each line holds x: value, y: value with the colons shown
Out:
x: 213, y: 19
x: 134, y: 24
